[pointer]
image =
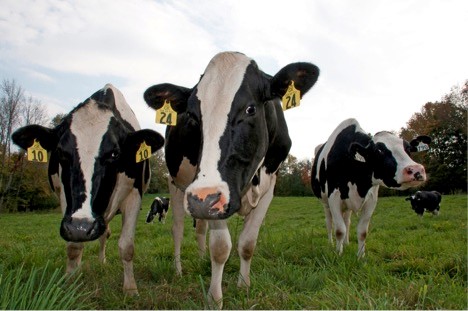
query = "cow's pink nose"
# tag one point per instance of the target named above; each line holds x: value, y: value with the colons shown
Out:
x: 415, y: 172
x: 206, y: 203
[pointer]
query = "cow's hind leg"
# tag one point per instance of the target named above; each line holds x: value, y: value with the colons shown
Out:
x: 178, y: 214
x: 102, y: 244
x: 364, y: 220
x: 74, y: 254
x: 220, y: 248
x: 334, y: 202
x: 347, y: 219
x: 201, y: 228
x: 130, y: 210
x: 328, y: 223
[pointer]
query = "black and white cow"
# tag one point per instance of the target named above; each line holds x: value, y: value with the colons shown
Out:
x: 93, y: 171
x: 159, y: 207
x: 223, y: 154
x: 425, y: 201
x: 348, y: 170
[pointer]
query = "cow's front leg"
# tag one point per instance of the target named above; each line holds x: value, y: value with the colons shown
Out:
x: 220, y: 248
x: 130, y: 210
x: 178, y: 214
x: 249, y: 235
x: 74, y: 254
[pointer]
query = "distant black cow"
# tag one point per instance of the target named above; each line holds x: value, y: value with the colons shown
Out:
x: 425, y: 201
x: 93, y: 170
x: 159, y: 206
x: 348, y: 170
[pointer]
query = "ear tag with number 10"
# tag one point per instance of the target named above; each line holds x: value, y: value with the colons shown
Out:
x: 292, y: 97
x: 143, y: 153
x: 166, y: 115
x: 37, y: 153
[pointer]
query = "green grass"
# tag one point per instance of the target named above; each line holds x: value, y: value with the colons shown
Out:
x: 38, y: 290
x: 410, y: 263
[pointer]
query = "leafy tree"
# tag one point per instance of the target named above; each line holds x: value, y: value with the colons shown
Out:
x: 22, y: 184
x: 159, y: 173
x: 294, y: 178
x: 57, y: 119
x: 446, y: 123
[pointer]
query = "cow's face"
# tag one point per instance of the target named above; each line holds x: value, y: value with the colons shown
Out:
x: 90, y: 150
x: 389, y: 157
x: 232, y: 105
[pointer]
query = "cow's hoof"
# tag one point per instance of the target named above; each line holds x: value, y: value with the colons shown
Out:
x: 133, y: 292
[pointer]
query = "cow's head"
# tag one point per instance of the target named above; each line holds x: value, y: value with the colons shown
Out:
x: 90, y: 150
x: 232, y: 107
x: 389, y: 158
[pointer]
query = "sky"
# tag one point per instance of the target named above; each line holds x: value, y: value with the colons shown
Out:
x: 380, y: 61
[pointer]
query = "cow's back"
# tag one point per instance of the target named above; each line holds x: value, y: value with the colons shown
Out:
x: 334, y: 167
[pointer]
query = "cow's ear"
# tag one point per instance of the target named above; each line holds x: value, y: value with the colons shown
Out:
x: 134, y: 140
x: 359, y: 152
x: 304, y: 76
x: 156, y: 95
x: 420, y: 143
x: 25, y: 136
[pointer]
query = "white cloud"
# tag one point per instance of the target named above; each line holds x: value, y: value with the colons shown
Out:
x: 380, y: 61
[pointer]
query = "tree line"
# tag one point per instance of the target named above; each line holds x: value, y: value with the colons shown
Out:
x: 24, y: 184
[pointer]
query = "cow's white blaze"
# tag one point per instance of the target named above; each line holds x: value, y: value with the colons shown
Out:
x: 88, y: 125
x: 216, y: 90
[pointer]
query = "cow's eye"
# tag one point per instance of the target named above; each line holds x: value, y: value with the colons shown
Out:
x: 113, y: 156
x: 251, y: 110
x: 379, y: 152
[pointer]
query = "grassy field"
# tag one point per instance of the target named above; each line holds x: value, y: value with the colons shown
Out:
x: 410, y: 263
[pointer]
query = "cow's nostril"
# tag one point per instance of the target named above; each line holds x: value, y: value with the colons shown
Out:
x: 418, y: 176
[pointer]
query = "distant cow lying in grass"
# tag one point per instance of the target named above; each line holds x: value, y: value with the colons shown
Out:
x: 159, y: 207
x: 425, y: 201
x: 93, y: 169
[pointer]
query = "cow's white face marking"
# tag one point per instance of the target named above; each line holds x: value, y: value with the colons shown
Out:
x: 88, y: 125
x: 216, y: 90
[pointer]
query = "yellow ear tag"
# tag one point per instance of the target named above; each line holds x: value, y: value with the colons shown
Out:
x: 37, y: 153
x: 143, y: 153
x: 166, y: 115
x: 292, y: 98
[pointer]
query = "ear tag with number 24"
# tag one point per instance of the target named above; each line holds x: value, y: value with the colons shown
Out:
x: 143, y: 153
x: 166, y: 115
x: 422, y: 147
x: 37, y: 153
x: 292, y: 97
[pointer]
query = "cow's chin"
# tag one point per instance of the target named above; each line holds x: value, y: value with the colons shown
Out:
x: 410, y: 184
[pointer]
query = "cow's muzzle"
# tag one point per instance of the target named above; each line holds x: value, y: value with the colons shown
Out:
x: 207, y: 204
x: 81, y: 229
